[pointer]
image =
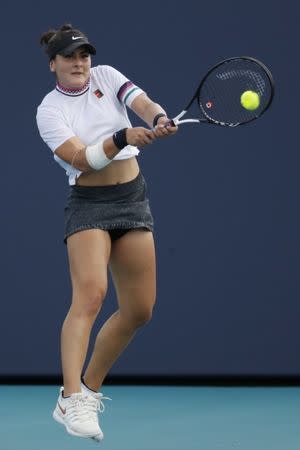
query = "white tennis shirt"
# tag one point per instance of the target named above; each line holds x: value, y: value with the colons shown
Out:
x: 92, y: 114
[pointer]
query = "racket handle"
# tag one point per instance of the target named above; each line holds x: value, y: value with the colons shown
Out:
x: 170, y: 123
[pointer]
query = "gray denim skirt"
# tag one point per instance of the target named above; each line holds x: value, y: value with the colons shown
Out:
x: 116, y: 208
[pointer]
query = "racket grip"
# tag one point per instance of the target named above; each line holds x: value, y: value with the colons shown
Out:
x: 170, y: 123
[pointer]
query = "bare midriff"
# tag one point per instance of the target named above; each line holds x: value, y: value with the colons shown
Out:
x: 117, y: 172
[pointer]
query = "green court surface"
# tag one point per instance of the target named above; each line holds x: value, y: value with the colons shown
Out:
x: 163, y: 418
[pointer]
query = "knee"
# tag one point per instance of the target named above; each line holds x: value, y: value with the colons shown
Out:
x: 141, y: 316
x: 89, y: 297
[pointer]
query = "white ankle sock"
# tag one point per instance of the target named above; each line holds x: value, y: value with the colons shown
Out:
x: 86, y: 390
x: 64, y: 399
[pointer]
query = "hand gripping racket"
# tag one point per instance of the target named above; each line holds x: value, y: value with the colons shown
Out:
x: 219, y: 94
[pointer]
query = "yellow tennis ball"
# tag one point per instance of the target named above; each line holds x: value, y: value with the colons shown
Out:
x: 250, y: 100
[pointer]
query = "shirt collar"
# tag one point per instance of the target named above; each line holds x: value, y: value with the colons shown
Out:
x: 73, y: 92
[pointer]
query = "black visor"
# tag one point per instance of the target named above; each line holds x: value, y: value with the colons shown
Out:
x: 65, y: 43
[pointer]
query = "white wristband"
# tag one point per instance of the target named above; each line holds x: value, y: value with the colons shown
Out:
x: 96, y: 156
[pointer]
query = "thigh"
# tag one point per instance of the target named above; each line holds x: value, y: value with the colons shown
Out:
x: 133, y: 268
x: 88, y: 253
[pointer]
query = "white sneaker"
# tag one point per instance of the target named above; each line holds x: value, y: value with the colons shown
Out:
x: 95, y: 404
x: 79, y: 414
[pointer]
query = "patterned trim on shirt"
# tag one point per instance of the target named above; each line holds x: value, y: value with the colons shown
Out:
x: 73, y: 92
x: 125, y: 91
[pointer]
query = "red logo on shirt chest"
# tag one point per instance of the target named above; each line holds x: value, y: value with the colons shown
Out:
x: 98, y: 93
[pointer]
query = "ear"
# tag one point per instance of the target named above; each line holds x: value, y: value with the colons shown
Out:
x: 52, y: 65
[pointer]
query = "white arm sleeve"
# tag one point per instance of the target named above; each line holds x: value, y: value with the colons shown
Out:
x: 52, y: 126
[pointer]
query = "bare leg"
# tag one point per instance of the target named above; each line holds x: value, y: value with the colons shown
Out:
x: 88, y: 253
x: 133, y: 269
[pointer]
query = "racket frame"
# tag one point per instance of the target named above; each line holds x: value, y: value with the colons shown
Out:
x: 176, y: 120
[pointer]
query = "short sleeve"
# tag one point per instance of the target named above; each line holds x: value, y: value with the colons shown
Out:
x: 125, y: 90
x: 52, y: 126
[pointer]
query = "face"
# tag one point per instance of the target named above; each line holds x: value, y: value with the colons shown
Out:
x: 72, y: 71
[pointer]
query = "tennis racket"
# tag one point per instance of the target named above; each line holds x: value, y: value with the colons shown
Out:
x: 218, y: 95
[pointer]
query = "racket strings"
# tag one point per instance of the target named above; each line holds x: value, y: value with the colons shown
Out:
x: 254, y: 76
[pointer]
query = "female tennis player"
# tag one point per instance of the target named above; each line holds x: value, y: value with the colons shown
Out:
x: 108, y: 222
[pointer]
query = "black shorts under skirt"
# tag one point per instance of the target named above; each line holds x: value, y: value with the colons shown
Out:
x: 116, y: 208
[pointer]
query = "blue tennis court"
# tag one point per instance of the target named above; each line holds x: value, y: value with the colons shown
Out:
x: 164, y: 418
